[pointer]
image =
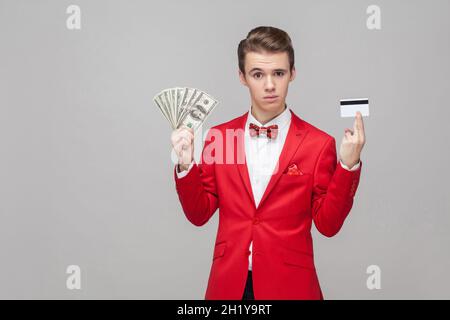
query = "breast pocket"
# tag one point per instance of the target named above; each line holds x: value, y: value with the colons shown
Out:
x: 298, y: 177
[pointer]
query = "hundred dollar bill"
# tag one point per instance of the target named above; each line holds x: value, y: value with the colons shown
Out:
x: 200, y: 109
x: 183, y: 106
x: 163, y: 106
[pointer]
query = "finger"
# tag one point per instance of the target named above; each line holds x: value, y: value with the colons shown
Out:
x: 361, y: 126
x: 350, y: 131
x: 180, y: 152
x: 176, y: 139
x: 348, y: 136
x: 175, y: 135
x: 178, y: 131
x: 191, y: 130
x: 184, y: 144
x: 183, y: 140
x: 357, y: 125
x: 178, y: 147
x: 186, y: 128
x: 187, y: 134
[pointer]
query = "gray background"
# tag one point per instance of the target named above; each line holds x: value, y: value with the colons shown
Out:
x: 85, y: 163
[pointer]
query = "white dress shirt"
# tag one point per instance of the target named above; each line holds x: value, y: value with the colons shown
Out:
x: 262, y: 155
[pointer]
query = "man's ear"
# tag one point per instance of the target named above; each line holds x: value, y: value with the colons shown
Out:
x: 293, y: 74
x: 242, y: 78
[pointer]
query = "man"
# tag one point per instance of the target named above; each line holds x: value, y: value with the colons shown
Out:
x: 289, y: 178
x: 198, y: 112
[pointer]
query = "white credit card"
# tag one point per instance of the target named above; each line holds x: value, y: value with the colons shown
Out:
x: 350, y: 106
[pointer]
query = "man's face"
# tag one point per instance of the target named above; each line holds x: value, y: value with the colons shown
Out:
x: 197, y: 114
x: 267, y: 74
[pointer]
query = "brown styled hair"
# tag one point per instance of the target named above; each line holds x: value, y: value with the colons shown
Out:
x: 265, y: 39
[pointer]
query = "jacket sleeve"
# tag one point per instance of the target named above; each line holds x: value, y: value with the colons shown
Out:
x: 197, y: 190
x: 333, y: 191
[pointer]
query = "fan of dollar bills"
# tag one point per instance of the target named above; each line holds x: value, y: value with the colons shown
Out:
x: 185, y: 106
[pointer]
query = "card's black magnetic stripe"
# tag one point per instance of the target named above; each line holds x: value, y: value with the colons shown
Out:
x: 344, y: 103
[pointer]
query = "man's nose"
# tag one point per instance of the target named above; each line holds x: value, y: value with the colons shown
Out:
x: 269, y: 85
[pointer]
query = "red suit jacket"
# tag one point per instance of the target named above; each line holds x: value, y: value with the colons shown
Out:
x: 280, y: 228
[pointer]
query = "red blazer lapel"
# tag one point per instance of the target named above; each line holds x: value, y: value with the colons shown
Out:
x: 297, y: 132
x: 239, y: 148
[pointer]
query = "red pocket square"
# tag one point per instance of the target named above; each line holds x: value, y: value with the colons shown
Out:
x: 292, y: 170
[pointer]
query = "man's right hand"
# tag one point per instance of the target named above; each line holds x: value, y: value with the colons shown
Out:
x: 183, y: 143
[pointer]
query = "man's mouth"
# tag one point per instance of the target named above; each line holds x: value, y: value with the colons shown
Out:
x: 270, y: 97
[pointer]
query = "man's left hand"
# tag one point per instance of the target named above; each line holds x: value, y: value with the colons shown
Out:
x: 353, y: 142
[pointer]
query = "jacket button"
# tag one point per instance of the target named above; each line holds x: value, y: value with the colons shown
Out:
x: 255, y: 220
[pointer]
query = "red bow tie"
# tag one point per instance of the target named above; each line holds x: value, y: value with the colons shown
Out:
x: 270, y: 131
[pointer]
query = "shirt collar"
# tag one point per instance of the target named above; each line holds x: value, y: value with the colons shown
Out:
x: 281, y: 120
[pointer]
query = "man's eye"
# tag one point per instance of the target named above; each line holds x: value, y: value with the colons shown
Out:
x: 280, y: 73
x: 256, y: 75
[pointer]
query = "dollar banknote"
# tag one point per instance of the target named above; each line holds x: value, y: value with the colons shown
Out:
x: 182, y: 106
